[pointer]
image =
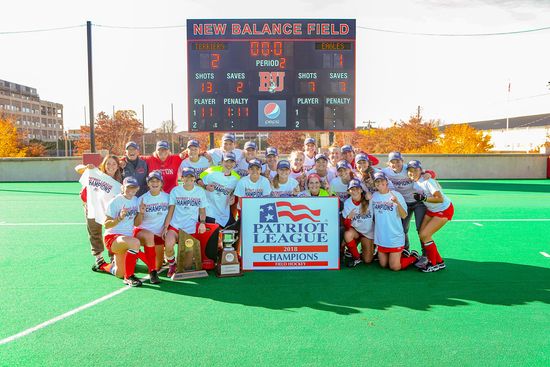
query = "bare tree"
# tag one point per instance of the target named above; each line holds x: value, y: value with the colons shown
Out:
x: 168, y: 130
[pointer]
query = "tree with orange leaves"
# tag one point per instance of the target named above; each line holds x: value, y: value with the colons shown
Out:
x: 112, y: 133
x: 462, y: 139
x: 286, y: 141
x: 10, y: 140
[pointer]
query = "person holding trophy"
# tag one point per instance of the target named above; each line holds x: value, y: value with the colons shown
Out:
x: 187, y: 203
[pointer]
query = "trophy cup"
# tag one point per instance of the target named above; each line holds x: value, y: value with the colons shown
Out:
x: 189, y: 258
x: 228, y: 262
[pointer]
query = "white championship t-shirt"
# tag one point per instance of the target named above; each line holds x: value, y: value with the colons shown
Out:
x: 388, y: 228
x: 340, y: 189
x: 284, y: 190
x: 361, y: 222
x: 156, y: 208
x: 272, y: 173
x: 428, y: 188
x: 218, y: 200
x: 187, y: 204
x: 125, y: 226
x: 100, y: 189
x: 309, y: 163
x: 401, y: 182
x: 199, y: 166
x: 248, y: 189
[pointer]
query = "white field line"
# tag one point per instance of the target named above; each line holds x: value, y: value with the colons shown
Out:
x: 70, y: 313
x: 544, y: 254
x: 478, y: 224
x: 41, y: 224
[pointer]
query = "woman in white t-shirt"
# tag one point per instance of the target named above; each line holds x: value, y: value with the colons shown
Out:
x: 439, y: 211
x: 297, y: 170
x: 254, y: 185
x: 119, y: 226
x: 269, y: 169
x: 149, y: 225
x: 339, y: 185
x: 389, y: 207
x: 358, y: 225
x: 187, y: 204
x: 194, y: 160
x: 282, y: 184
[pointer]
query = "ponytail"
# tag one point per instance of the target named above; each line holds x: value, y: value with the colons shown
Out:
x: 276, y: 181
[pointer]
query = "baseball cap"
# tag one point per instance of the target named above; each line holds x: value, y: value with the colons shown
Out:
x: 271, y: 151
x: 414, y: 164
x: 342, y: 164
x: 229, y: 137
x: 192, y: 143
x: 255, y: 162
x: 320, y: 156
x: 394, y: 155
x: 131, y: 144
x: 346, y: 148
x: 283, y: 164
x: 310, y: 141
x: 163, y: 144
x: 130, y: 181
x: 187, y: 171
x: 361, y: 157
x: 379, y: 176
x: 154, y: 174
x: 354, y: 183
x: 229, y: 156
x: 250, y: 145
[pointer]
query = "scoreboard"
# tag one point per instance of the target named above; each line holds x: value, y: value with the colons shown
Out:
x: 271, y: 75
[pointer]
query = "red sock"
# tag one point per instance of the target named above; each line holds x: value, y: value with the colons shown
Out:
x: 142, y: 256
x: 407, y: 261
x: 431, y: 252
x: 352, y: 247
x: 439, y: 259
x: 150, y: 257
x: 130, y: 263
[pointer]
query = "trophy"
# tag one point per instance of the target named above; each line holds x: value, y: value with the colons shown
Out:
x: 228, y: 262
x: 189, y: 264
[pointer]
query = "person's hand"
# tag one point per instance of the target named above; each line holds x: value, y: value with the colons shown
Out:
x: 164, y: 232
x: 368, y: 195
x: 142, y: 207
x: 231, y: 200
x: 267, y: 173
x: 202, y: 228
x: 123, y: 213
x: 426, y: 176
x: 210, y: 187
x: 207, y: 156
x: 90, y: 166
x: 351, y: 214
x: 420, y: 197
x: 122, y: 163
x: 393, y: 198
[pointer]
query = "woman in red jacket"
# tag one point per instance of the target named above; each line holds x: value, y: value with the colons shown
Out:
x: 168, y: 164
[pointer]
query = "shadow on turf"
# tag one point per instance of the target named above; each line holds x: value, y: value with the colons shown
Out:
x: 496, y: 186
x: 348, y: 291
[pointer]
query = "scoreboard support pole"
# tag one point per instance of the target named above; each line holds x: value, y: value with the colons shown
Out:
x: 212, y: 142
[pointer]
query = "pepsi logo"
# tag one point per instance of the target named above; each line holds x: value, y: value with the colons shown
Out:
x: 272, y: 110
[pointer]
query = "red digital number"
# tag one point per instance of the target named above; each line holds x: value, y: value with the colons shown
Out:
x: 341, y: 60
x: 312, y: 86
x: 254, y: 48
x: 228, y: 111
x: 266, y: 49
x: 246, y: 111
x: 277, y: 48
x: 215, y: 61
x: 343, y: 86
x: 282, y: 62
x: 239, y: 87
x: 207, y: 112
x: 206, y: 87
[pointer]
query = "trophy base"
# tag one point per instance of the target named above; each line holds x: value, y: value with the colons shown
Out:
x: 190, y: 275
x: 233, y: 270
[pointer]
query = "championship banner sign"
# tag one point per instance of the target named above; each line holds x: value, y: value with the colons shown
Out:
x: 290, y: 233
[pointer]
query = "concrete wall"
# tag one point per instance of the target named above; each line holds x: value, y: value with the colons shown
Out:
x: 39, y: 169
x: 446, y: 165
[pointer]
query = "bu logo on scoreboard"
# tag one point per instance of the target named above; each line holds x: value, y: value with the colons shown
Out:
x: 272, y: 81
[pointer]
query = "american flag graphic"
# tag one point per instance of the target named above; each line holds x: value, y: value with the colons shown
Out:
x: 270, y: 213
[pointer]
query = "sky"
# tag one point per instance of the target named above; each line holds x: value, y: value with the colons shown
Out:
x: 454, y: 79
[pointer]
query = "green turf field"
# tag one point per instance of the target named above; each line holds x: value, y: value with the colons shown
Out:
x: 490, y: 307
